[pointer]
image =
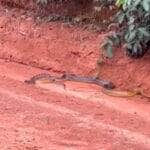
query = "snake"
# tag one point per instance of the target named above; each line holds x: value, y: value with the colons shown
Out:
x: 126, y: 93
x: 71, y: 77
x: 108, y: 87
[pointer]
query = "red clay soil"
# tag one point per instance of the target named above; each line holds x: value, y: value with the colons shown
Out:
x: 71, y: 8
x: 59, y: 48
x: 67, y: 7
x: 47, y: 117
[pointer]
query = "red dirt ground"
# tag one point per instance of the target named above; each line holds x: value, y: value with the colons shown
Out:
x: 47, y: 117
x: 40, y: 45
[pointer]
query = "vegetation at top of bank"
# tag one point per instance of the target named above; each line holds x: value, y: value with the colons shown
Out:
x: 132, y: 25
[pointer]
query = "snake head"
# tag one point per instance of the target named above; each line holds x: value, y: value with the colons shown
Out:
x: 29, y: 82
x: 64, y: 76
x: 109, y: 86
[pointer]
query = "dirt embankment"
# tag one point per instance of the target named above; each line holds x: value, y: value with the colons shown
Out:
x: 72, y: 7
x: 59, y: 48
x: 83, y: 10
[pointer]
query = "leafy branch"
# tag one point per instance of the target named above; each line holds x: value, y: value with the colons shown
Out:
x: 134, y: 29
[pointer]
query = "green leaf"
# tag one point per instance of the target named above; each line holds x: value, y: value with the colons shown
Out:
x: 132, y: 36
x: 144, y: 32
x: 120, y: 18
x: 109, y: 51
x: 137, y: 2
x: 107, y: 46
x: 128, y: 46
x: 128, y: 2
x: 146, y: 5
x: 137, y: 47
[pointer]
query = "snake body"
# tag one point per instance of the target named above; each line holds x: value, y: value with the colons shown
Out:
x: 108, y: 87
x: 42, y: 76
x: 118, y: 93
x: 71, y: 77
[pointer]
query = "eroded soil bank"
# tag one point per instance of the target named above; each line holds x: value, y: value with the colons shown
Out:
x: 59, y: 48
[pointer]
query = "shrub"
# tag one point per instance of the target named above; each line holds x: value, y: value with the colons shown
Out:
x: 133, y: 28
x: 132, y: 23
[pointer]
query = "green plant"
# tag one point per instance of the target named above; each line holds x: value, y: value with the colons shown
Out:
x: 120, y: 2
x: 133, y: 29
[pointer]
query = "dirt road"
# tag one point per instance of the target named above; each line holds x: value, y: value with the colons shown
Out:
x: 51, y: 118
